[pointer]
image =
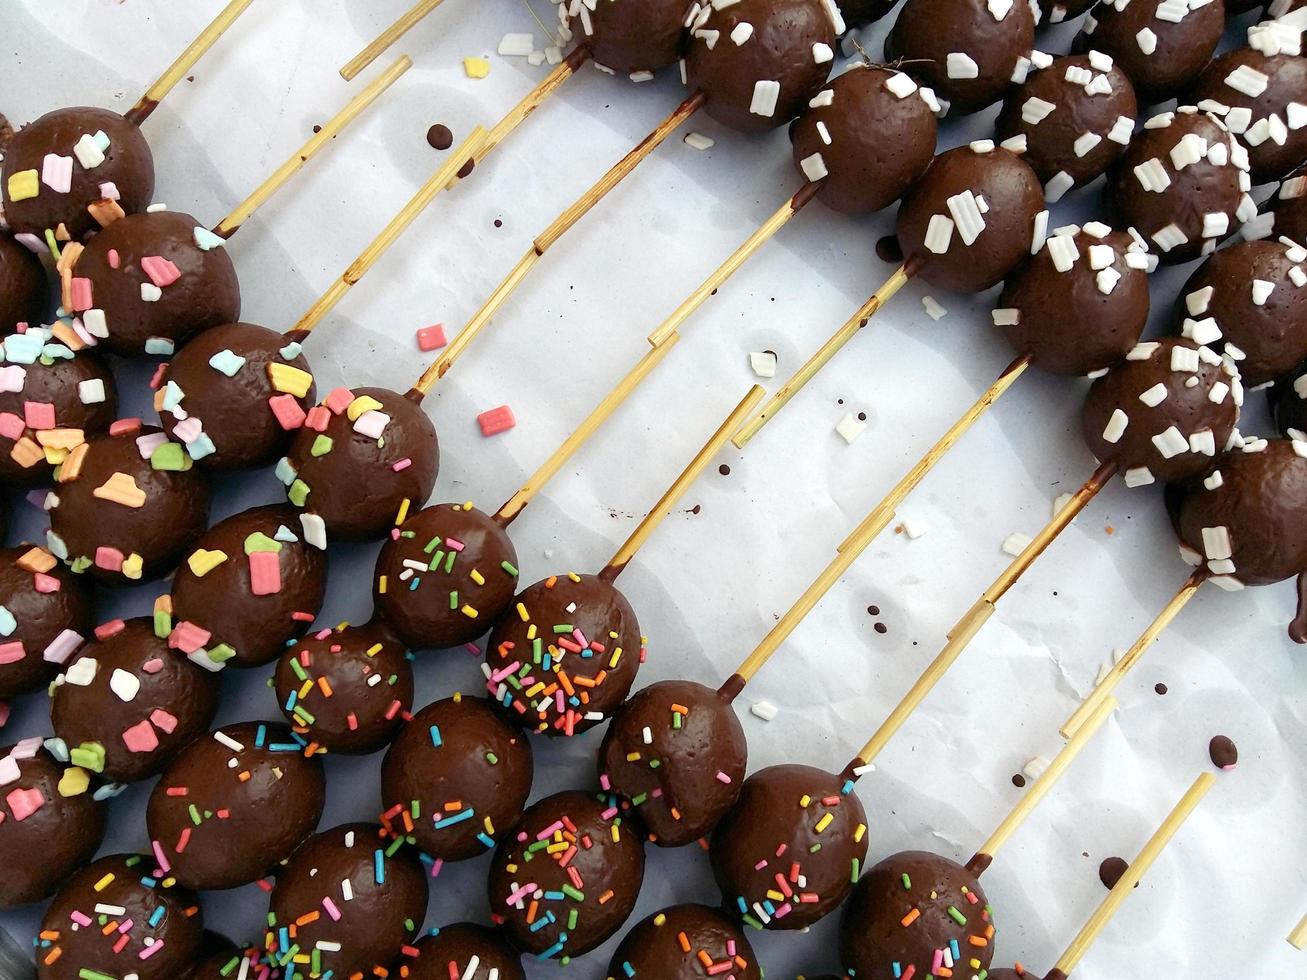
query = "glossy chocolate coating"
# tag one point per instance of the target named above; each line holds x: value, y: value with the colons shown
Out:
x: 172, y: 701
x: 1065, y: 320
x: 1057, y: 143
x: 872, y: 934
x: 859, y: 13
x: 46, y: 602
x: 482, y: 761
x: 268, y: 814
x: 137, y: 889
x: 928, y: 32
x: 1289, y: 402
x: 780, y: 49
x: 360, y: 715
x: 1181, y: 49
x: 1189, y: 195
x: 159, y: 531
x: 128, y: 165
x: 1059, y: 11
x: 376, y: 917
x: 607, y: 873
x: 226, y: 963
x: 353, y: 485
x: 678, y: 775
x: 845, y: 141
x: 435, y: 608
x: 1189, y: 410
x: 235, y: 411
x: 24, y: 292
x: 1271, y: 334
x: 221, y: 600
x: 770, y: 816
x: 653, y: 947
x: 1290, y: 208
x: 599, y: 622
x: 627, y: 36
x: 455, y: 946
x: 1014, y: 196
x: 60, y: 827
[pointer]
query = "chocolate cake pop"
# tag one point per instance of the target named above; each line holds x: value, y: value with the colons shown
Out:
x: 1164, y: 412
x: 976, y: 212
x: 445, y: 575
x: 773, y: 57
x: 363, y: 459
x: 1246, y: 300
x: 760, y: 849
x: 129, y: 505
x: 969, y: 51
x: 234, y: 804
x: 347, y: 689
x: 1182, y: 184
x: 1080, y: 304
x: 1070, y: 120
x: 1162, y: 45
x: 50, y: 822
x: 46, y: 614
x: 253, y: 583
x: 677, y: 751
x: 348, y: 897
x: 70, y: 171
x: 117, y: 918
x: 24, y: 292
x: 151, y: 281
x: 456, y: 778
x: 630, y: 37
x: 567, y: 877
x: 841, y: 139
x: 461, y: 950
x: 1289, y: 208
x: 684, y: 942
x: 129, y: 702
x: 1289, y: 401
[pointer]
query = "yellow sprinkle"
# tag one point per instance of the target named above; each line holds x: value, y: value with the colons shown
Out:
x: 132, y: 566
x: 74, y: 782
x: 474, y: 67
x: 633, y: 757
x: 805, y: 800
x: 573, y: 576
x: 104, y: 882
x: 361, y: 404
x: 825, y: 822
x: 490, y: 826
x: 53, y: 456
x: 202, y: 562
x: 61, y: 438
x: 291, y: 380
x: 27, y: 183
x: 660, y: 918
x: 402, y: 516
x: 616, y: 833
x: 774, y: 895
x: 860, y: 833
x: 121, y: 488
x: 531, y: 632
x: 477, y: 577
x: 617, y: 655
x: 381, y: 584
x: 522, y: 613
x: 305, y: 688
x: 469, y: 612
x: 374, y: 649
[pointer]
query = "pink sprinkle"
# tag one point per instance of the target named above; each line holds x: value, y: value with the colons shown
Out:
x: 110, y: 559
x: 317, y: 419
x: 123, y: 427
x: 401, y: 465
x: 140, y: 737
x: 608, y: 814
x: 937, y: 961
x: 519, y: 893
x: 331, y: 908
x: 57, y: 173
x: 432, y: 337
x: 11, y: 652
x: 730, y: 948
x: 126, y: 925
x: 163, y: 720
x: 496, y: 420
x: 11, y: 426
x: 62, y: 647
x: 453, y: 545
x: 188, y: 429
x: 549, y: 831
x: 149, y: 951
x: 288, y: 412
x: 25, y: 802
x: 352, y: 720
x: 81, y: 294
x: 187, y: 637
x: 162, y: 272
x: 81, y: 918
x: 111, y: 628
x: 760, y: 865
x: 302, y: 617
x: 153, y: 665
x: 156, y: 380
x: 436, y: 865
x: 12, y: 378
x: 265, y: 573
x: 339, y: 400
x: 39, y: 415
x: 164, y: 866
x: 27, y: 748
x: 45, y: 584
x: 113, y: 258
x: 605, y: 783
x: 109, y: 191
x: 723, y: 778
x: 395, y: 708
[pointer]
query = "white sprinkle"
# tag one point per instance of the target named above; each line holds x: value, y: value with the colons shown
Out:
x: 1170, y: 442
x: 698, y: 141
x: 224, y: 739
x: 1295, y: 114
x: 1154, y: 396
x: 1204, y: 331
x: 1248, y: 81
x: 741, y: 33
x: 1100, y: 61
x: 967, y: 215
x: 1217, y: 544
x: 82, y: 672
x: 1152, y: 176
x: 1159, y: 121
x: 1197, y: 301
x: 1010, y: 316
x: 850, y: 427
x: 763, y: 363
x: 124, y: 684
x: 1184, y: 359
x: 1036, y: 767
x: 1015, y: 144
x: 1203, y: 442
x: 1172, y: 236
x: 1015, y: 543
x: 1191, y: 149
x: 1063, y: 252
x: 982, y: 147
x: 1116, y: 427
x: 939, y: 234
x: 1106, y: 281
x: 1214, y: 480
x: 999, y: 8
x: 765, y: 96
x: 933, y: 309
x: 1122, y: 130
x: 814, y: 167
x: 90, y: 392
x: 1057, y: 186
x: 1143, y: 351
x: 822, y: 99
x: 1262, y: 290
x: 516, y: 45
x: 1101, y: 256
x: 1172, y: 11
x: 1035, y: 110
x: 1215, y: 224
x: 1218, y: 392
x: 1041, y: 232
x: 900, y: 85
x: 822, y: 53
x: 1078, y: 76
x: 913, y: 528
x: 763, y: 709
x: 150, y: 293
x: 1297, y: 277
x: 1139, y: 476
x: 823, y: 132
x: 959, y: 64
x: 1147, y: 40
x: 1085, y: 142
x: 1021, y: 71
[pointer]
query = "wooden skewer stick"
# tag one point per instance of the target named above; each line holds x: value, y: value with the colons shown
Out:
x: 824, y: 353
x: 534, y: 99
x: 553, y: 233
x: 179, y: 69
x: 667, y: 503
x: 1298, y: 938
x: 436, y: 183
x: 407, y: 21
x: 353, y: 109
x: 1132, y: 876
x: 1133, y: 655
x: 765, y: 233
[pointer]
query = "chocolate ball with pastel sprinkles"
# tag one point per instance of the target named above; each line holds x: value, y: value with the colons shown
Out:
x: 347, y: 689
x: 564, y: 657
x: 236, y: 395
x: 1250, y: 300
x: 350, y: 899
x: 1182, y: 184
x: 150, y: 282
x: 1164, y: 413
x: 456, y: 779
x: 677, y: 751
x: 73, y: 171
x: 685, y: 942
x: 54, y: 395
x: 51, y: 822
x: 46, y: 615
x: 567, y: 877
x: 232, y: 962
x: 919, y: 912
x: 127, y: 505
x: 840, y: 140
x: 129, y: 701
x: 758, y: 63
x: 1070, y: 120
x: 454, y: 950
x: 630, y: 37
x: 445, y: 576
x: 969, y: 52
x: 1163, y: 45
x: 975, y: 214
x: 1080, y: 304
x: 363, y: 460
x: 789, y: 851
x: 234, y: 804
x: 117, y: 917
x: 24, y: 292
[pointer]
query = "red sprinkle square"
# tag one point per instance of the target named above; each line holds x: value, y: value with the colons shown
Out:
x: 432, y: 337
x: 496, y: 420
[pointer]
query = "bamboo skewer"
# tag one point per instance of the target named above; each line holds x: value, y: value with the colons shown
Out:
x: 1298, y: 938
x: 178, y: 70
x: 1140, y: 647
x: 534, y: 99
x: 353, y: 109
x: 406, y: 22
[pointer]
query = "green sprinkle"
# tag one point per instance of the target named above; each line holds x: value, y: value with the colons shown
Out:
x: 957, y: 916
x: 321, y: 446
x: 298, y: 493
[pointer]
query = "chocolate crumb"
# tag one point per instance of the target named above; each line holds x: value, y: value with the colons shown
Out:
x: 881, y: 628
x: 724, y: 470
x: 1224, y: 753
x: 1111, y: 870
x: 1160, y: 688
x: 317, y: 129
x: 499, y: 222
x: 873, y: 610
x: 1018, y: 780
x: 467, y: 169
x: 439, y: 137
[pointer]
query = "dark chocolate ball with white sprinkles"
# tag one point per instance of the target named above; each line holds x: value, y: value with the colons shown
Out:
x: 451, y: 951
x: 630, y: 37
x: 46, y: 615
x: 1289, y: 208
x: 1289, y: 400
x: 1163, y: 45
x: 24, y: 292
x: 685, y: 942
